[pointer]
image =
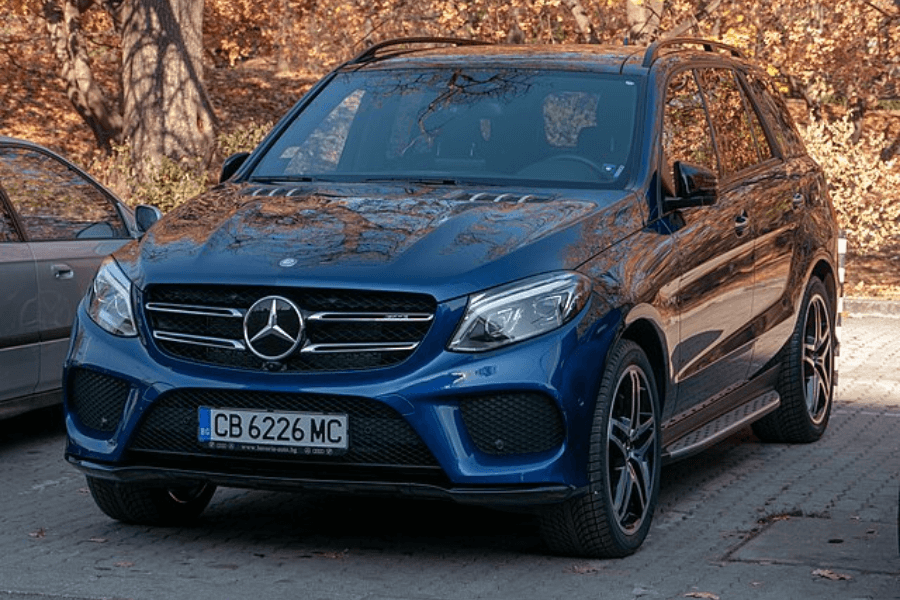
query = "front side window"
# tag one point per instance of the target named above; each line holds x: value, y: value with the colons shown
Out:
x: 55, y: 202
x: 7, y: 231
x: 686, y: 134
x: 558, y: 128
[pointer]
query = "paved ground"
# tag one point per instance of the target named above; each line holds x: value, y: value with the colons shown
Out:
x: 744, y: 520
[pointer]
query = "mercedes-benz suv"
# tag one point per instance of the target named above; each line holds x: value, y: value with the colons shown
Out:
x: 519, y: 276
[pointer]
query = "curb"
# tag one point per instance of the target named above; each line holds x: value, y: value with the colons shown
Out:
x: 871, y: 307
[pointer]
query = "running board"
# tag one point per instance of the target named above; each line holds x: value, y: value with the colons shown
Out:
x: 723, y: 426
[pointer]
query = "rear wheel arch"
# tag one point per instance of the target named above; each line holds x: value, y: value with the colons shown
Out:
x: 825, y: 273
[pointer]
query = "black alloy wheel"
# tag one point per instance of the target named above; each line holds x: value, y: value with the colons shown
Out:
x: 146, y: 504
x: 806, y: 383
x: 613, y: 519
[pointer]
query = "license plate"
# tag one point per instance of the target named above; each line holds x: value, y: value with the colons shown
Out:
x: 291, y: 432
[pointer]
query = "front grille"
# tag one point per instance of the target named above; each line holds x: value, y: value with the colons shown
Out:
x: 513, y: 423
x: 97, y: 400
x: 379, y: 436
x: 343, y: 330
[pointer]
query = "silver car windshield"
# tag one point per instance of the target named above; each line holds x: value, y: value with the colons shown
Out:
x: 506, y: 126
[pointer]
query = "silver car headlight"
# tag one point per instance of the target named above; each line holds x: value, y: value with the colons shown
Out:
x: 519, y: 311
x: 110, y: 300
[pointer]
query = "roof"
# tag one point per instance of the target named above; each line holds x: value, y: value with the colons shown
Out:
x: 430, y: 52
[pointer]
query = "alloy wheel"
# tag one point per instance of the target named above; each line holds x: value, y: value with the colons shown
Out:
x: 818, y: 359
x: 631, y: 452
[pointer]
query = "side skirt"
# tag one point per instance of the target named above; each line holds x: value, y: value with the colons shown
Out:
x: 706, y: 425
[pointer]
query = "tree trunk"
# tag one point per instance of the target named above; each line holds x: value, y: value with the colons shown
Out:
x: 64, y: 27
x: 166, y: 109
x: 643, y: 20
x: 283, y: 55
x: 582, y: 21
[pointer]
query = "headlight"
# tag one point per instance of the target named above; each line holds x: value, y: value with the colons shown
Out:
x: 520, y: 311
x: 110, y: 300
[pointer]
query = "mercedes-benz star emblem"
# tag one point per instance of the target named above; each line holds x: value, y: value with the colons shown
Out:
x: 273, y: 327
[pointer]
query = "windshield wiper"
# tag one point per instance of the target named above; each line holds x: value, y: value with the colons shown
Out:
x: 436, y: 181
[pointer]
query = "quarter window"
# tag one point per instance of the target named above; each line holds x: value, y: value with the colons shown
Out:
x: 776, y: 113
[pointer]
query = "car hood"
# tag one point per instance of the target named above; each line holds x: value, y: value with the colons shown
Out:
x: 446, y: 243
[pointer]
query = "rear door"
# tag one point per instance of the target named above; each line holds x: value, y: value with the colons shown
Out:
x: 70, y: 224
x: 773, y: 199
x: 796, y: 189
x: 19, y: 329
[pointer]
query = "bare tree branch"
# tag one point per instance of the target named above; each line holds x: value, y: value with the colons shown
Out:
x: 694, y: 20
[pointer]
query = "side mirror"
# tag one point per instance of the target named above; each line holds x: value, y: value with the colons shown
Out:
x: 694, y: 186
x: 145, y: 216
x: 231, y: 165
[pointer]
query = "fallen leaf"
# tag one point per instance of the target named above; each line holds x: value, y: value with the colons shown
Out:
x: 583, y: 569
x: 98, y: 540
x: 124, y: 564
x: 829, y: 574
x: 39, y: 534
x: 707, y: 595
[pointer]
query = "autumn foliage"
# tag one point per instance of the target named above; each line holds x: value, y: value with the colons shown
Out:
x: 839, y: 62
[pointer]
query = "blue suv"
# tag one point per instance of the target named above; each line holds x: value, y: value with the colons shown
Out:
x: 517, y: 276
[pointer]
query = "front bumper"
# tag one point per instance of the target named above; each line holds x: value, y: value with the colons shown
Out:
x: 425, y: 393
x: 511, y: 496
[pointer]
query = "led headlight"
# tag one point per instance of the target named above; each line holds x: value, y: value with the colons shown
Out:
x: 519, y: 311
x: 110, y: 300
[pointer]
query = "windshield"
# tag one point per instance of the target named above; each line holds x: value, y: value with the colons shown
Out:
x: 448, y: 125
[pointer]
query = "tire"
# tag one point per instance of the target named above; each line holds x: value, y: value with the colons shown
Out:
x: 145, y: 504
x: 806, y: 381
x: 613, y: 519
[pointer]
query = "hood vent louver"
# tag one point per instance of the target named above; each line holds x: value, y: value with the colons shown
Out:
x: 506, y: 198
x: 272, y: 191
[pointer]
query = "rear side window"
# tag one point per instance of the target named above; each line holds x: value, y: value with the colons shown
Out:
x: 734, y: 129
x: 55, y: 202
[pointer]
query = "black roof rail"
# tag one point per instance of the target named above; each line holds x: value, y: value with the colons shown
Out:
x: 708, y: 45
x: 371, y: 53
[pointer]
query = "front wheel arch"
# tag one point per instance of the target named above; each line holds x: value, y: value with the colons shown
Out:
x: 646, y: 335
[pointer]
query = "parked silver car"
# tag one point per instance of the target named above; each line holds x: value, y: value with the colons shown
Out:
x: 56, y: 225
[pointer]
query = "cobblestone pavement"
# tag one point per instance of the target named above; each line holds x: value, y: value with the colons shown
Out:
x: 743, y: 520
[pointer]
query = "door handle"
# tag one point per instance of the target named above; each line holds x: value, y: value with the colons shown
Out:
x: 741, y: 222
x: 62, y: 271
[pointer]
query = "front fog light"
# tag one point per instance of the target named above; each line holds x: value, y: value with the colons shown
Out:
x: 110, y: 300
x: 520, y: 311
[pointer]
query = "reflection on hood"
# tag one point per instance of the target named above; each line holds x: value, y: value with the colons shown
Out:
x: 240, y: 231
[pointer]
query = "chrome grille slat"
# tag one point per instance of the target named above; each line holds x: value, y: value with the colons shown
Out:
x: 323, y: 348
x: 344, y: 329
x: 199, y: 340
x: 206, y: 311
x: 369, y: 317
